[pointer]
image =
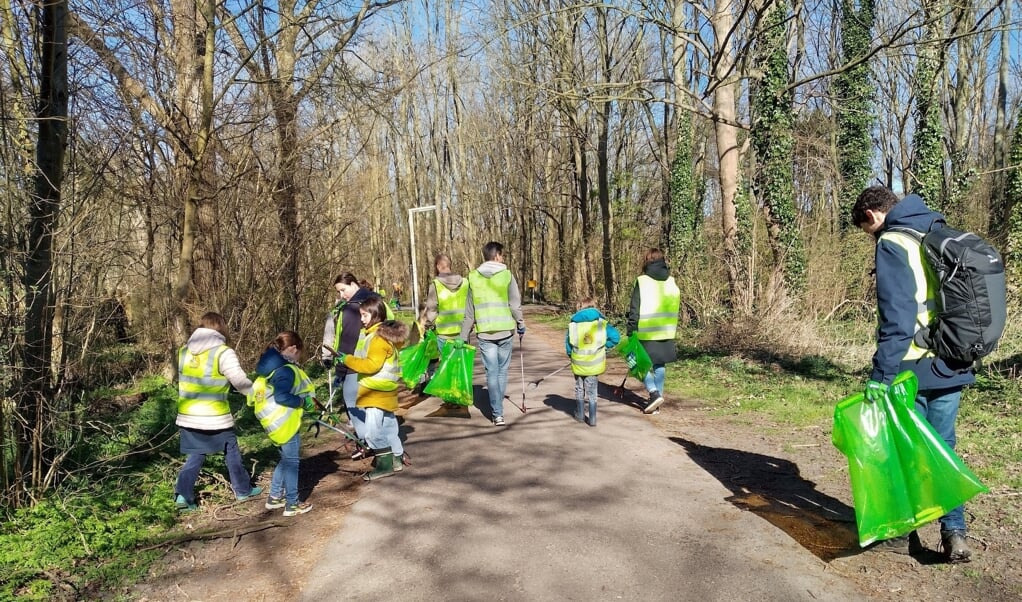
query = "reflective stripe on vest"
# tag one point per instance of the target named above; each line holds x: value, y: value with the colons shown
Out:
x: 201, y: 388
x: 279, y: 421
x: 659, y: 302
x: 588, y: 347
x: 387, y: 378
x: 490, y: 301
x: 926, y: 303
x: 450, y: 307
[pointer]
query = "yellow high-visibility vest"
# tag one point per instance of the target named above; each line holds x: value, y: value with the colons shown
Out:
x: 588, y: 347
x: 490, y: 301
x: 201, y: 388
x: 279, y: 421
x: 659, y: 302
x: 450, y: 307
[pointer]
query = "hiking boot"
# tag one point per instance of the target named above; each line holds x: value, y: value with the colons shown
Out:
x: 895, y: 545
x: 184, y: 505
x: 272, y: 503
x: 955, y: 547
x: 655, y: 401
x: 401, y: 461
x: 384, y: 466
x: 296, y: 509
x: 252, y: 493
x: 498, y: 421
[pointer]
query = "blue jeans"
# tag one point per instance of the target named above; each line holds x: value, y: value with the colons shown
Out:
x: 285, y: 475
x: 356, y: 415
x: 654, y: 379
x: 939, y: 407
x: 382, y: 430
x: 585, y: 390
x: 496, y: 360
x: 241, y: 482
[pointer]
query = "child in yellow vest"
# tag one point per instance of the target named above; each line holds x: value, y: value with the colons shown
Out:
x: 587, y: 341
x: 376, y: 361
x: 279, y: 395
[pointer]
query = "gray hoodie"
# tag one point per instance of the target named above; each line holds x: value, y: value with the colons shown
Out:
x: 514, y: 296
x: 204, y: 339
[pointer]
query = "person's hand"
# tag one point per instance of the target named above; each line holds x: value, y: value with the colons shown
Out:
x: 521, y: 331
x: 310, y: 405
x: 430, y: 326
x: 339, y: 358
x: 875, y: 391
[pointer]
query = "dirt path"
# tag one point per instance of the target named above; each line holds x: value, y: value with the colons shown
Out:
x: 639, y: 507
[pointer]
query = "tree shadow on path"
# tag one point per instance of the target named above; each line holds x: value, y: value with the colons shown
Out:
x: 773, y: 489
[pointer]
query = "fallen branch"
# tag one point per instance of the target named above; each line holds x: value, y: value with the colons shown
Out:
x: 211, y: 534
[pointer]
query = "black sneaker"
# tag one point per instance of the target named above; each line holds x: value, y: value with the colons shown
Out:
x: 955, y: 546
x: 655, y: 401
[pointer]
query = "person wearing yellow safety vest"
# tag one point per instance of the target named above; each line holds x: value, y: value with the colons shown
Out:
x: 279, y: 396
x: 653, y: 317
x: 379, y: 370
x: 906, y: 301
x: 446, y: 298
x: 494, y: 308
x: 587, y: 341
x: 342, y: 333
x: 207, y: 368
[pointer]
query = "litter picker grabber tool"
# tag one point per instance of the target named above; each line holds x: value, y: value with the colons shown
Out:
x: 521, y: 357
x: 535, y: 383
x: 329, y: 420
x: 330, y: 380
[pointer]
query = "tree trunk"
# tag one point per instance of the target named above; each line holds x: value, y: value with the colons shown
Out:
x: 30, y: 453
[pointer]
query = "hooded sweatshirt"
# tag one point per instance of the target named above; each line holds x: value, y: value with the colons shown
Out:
x: 282, y: 381
x: 591, y: 314
x: 514, y: 300
x: 451, y: 282
x: 896, y: 305
x: 204, y: 339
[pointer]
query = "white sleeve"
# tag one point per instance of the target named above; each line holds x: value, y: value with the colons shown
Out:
x: 231, y: 368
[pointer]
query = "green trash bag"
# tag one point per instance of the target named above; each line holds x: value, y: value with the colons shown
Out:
x: 415, y: 358
x: 453, y: 379
x: 635, y: 356
x: 903, y: 474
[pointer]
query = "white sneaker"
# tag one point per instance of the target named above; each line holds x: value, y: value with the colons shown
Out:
x: 653, y: 405
x: 498, y: 421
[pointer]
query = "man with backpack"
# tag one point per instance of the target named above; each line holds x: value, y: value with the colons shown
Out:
x: 907, y: 302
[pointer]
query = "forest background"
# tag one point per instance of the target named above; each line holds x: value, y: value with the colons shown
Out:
x: 166, y: 158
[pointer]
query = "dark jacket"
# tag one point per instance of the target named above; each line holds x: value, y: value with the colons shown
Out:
x: 351, y: 326
x: 660, y: 352
x: 281, y: 380
x: 896, y: 305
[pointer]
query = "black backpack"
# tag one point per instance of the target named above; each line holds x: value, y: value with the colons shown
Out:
x: 971, y: 295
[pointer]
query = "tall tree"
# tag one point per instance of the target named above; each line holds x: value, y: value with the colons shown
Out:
x: 853, y: 105
x: 773, y: 145
x: 32, y: 448
x: 926, y: 176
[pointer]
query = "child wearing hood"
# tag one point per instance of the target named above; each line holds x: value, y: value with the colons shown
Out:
x: 207, y: 368
x: 587, y: 341
x: 376, y: 361
x: 279, y: 395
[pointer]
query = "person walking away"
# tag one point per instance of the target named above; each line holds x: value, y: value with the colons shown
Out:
x: 375, y: 360
x: 653, y: 315
x: 494, y: 307
x: 588, y: 338
x: 279, y: 398
x: 344, y: 329
x: 446, y: 298
x: 207, y: 368
x: 905, y: 302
